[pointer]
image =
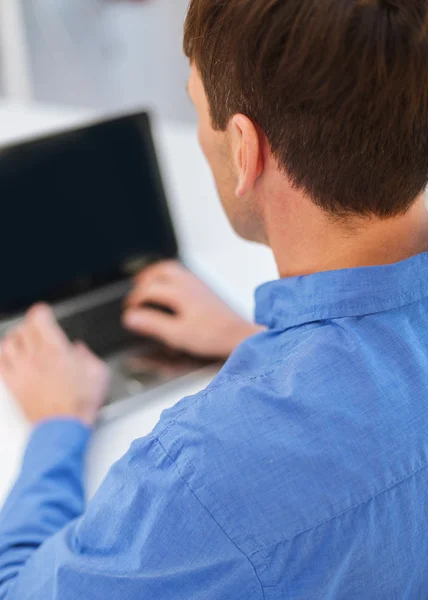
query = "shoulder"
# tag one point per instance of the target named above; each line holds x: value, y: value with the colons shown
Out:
x: 285, y: 416
x: 289, y: 364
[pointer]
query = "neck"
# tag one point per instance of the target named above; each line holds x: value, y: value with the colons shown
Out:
x: 308, y: 241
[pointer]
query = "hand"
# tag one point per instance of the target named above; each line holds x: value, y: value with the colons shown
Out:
x: 49, y: 376
x: 201, y: 323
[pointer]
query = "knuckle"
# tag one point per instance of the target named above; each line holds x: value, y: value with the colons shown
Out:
x: 173, y: 338
x: 170, y: 268
x: 6, y: 345
x: 40, y: 312
x: 150, y: 272
x: 54, y: 342
x: 10, y: 340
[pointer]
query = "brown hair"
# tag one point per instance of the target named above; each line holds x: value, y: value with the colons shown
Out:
x: 340, y: 88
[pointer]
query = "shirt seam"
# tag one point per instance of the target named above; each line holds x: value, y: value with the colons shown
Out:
x: 231, y: 379
x: 354, y: 506
x: 262, y: 587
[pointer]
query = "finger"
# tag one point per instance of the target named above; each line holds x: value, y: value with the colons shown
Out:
x: 86, y: 354
x: 160, y: 271
x: 164, y: 294
x: 43, y: 327
x: 20, y: 334
x: 7, y: 368
x: 92, y: 362
x: 11, y: 348
x: 150, y: 323
x: 81, y: 347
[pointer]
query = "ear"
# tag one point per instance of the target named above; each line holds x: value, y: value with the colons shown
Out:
x: 247, y: 153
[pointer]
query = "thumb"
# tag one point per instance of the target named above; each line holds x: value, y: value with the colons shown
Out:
x: 83, y: 351
x: 87, y: 356
x: 150, y: 322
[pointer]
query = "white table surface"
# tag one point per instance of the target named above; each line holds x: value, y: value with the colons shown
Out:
x: 233, y: 267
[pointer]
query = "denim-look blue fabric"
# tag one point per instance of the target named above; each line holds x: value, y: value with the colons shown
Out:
x: 299, y: 473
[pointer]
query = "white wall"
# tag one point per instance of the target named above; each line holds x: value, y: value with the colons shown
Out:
x: 110, y: 53
x: 150, y: 64
x: 14, y: 52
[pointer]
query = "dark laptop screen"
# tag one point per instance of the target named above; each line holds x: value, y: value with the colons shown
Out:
x: 79, y: 210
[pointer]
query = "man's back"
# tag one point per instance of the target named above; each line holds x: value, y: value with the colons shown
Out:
x: 310, y: 448
x: 299, y: 473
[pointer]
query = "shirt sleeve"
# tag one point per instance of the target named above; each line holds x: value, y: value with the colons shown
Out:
x: 47, y: 496
x: 144, y: 535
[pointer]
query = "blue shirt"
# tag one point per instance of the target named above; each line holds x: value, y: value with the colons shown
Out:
x: 299, y: 473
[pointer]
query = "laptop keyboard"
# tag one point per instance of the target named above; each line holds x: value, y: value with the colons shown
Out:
x: 100, y: 327
x: 137, y: 364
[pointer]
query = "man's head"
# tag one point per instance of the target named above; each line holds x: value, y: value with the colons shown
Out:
x: 331, y: 96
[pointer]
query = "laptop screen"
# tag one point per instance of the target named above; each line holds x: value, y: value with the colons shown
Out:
x: 80, y: 209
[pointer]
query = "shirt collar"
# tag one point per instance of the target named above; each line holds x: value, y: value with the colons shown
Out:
x: 346, y: 293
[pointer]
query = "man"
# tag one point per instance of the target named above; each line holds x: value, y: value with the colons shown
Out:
x: 301, y: 471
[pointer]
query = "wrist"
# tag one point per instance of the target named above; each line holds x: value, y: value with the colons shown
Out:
x: 62, y: 420
x: 63, y: 416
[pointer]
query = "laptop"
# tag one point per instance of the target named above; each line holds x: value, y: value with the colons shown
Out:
x: 83, y: 212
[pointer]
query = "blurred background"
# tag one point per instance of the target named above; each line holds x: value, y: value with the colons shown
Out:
x: 67, y: 62
x: 103, y: 54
